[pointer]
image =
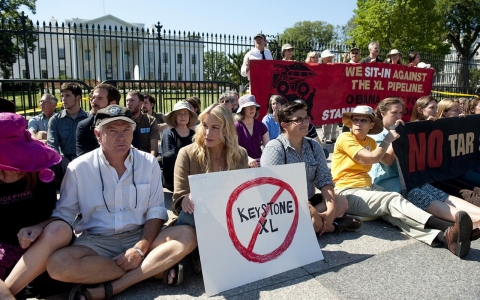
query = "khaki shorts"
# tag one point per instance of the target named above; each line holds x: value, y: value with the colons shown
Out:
x: 109, y: 245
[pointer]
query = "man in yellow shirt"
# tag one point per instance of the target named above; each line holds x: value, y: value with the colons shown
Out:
x: 353, y: 157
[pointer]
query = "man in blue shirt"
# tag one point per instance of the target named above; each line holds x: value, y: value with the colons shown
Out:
x: 62, y: 126
x: 38, y: 125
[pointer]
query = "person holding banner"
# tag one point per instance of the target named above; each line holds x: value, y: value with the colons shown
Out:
x: 472, y: 107
x: 292, y: 146
x: 287, y: 52
x: 312, y: 57
x: 394, y: 57
x: 426, y: 197
x: 374, y: 48
x: 257, y: 53
x: 353, y: 157
x: 425, y: 108
x: 448, y: 108
x: 252, y: 134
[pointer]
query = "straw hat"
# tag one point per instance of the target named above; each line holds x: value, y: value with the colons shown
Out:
x: 364, y: 111
x: 179, y: 106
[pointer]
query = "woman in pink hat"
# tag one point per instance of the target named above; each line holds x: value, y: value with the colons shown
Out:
x: 27, y: 198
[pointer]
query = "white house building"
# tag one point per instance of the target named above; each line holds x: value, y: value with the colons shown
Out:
x: 109, y: 48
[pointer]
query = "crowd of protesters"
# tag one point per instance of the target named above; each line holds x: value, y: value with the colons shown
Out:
x: 106, y: 232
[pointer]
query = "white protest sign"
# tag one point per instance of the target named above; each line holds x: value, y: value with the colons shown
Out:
x: 252, y: 224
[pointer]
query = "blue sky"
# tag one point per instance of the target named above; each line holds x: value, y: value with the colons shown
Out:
x: 244, y: 17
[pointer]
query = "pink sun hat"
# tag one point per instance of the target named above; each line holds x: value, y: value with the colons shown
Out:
x: 18, y: 151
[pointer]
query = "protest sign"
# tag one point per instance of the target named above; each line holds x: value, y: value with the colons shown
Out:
x: 252, y: 224
x: 331, y: 89
x: 430, y: 151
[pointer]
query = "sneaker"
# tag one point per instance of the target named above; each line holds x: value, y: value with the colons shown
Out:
x: 348, y: 223
x: 458, y: 236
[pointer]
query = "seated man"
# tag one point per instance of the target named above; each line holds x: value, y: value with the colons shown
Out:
x: 146, y: 133
x: 326, y: 209
x: 103, y: 95
x: 38, y: 125
x: 353, y: 156
x: 62, y: 127
x: 147, y: 108
x: 118, y: 191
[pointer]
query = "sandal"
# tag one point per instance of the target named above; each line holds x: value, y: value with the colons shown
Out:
x: 178, y: 268
x: 81, y: 290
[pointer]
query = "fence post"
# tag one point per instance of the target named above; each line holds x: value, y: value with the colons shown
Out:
x: 23, y: 19
x: 160, y: 74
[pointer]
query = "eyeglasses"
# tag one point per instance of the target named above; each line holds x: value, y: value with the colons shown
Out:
x: 299, y: 120
x: 133, y: 182
x: 361, y: 121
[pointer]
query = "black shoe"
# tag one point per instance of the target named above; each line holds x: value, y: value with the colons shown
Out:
x: 348, y: 223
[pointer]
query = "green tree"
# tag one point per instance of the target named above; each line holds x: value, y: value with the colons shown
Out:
x: 399, y: 24
x: 233, y: 68
x: 214, y: 66
x: 306, y: 36
x: 11, y: 40
x: 309, y: 32
x: 461, y: 21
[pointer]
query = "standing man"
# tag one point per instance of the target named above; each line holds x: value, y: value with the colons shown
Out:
x: 147, y: 108
x: 146, y: 134
x: 118, y: 190
x: 62, y: 127
x: 102, y: 96
x: 354, y: 56
x: 374, y: 48
x: 257, y: 53
x: 38, y: 125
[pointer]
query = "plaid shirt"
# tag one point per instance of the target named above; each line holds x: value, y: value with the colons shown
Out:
x: 316, y: 168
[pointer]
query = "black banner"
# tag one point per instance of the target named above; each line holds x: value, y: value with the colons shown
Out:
x: 430, y: 151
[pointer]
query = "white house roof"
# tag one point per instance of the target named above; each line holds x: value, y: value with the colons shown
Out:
x: 107, y: 20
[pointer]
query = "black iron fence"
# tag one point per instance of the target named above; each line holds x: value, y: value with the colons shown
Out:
x: 113, y: 50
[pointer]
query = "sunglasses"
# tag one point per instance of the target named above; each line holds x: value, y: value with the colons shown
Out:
x: 299, y: 120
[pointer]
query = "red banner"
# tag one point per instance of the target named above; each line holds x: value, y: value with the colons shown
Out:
x: 331, y: 89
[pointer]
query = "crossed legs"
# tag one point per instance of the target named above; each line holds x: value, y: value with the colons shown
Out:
x: 83, y: 265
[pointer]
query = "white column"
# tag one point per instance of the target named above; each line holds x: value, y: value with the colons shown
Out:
x: 98, y: 46
x: 75, y: 59
x: 121, y: 55
x: 141, y: 67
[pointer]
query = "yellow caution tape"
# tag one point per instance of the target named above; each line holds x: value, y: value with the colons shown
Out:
x: 453, y: 94
x: 59, y: 106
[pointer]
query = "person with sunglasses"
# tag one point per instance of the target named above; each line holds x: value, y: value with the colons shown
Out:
x: 228, y: 100
x: 353, y: 157
x: 118, y: 190
x: 292, y: 146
